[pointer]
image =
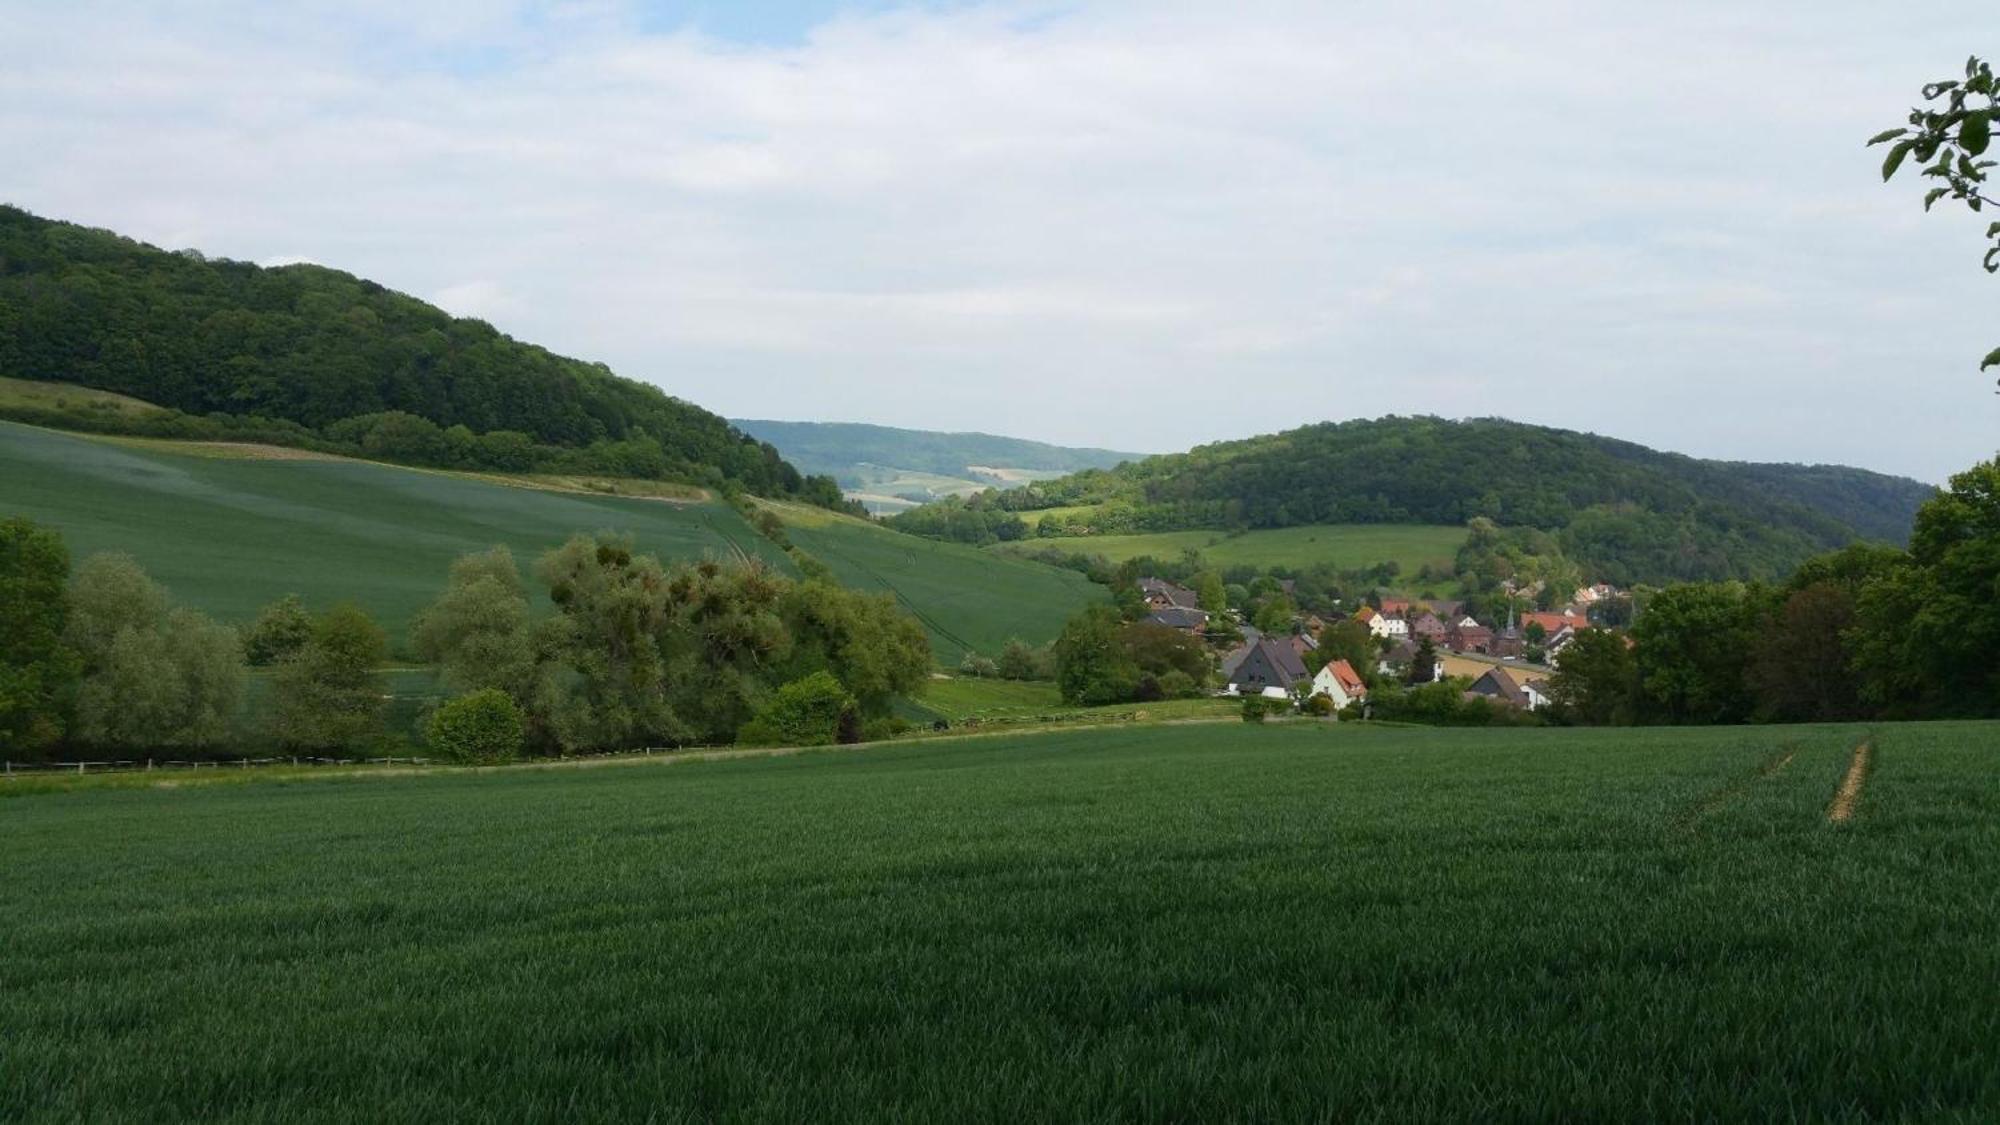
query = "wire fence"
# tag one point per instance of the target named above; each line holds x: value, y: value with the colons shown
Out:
x: 12, y: 769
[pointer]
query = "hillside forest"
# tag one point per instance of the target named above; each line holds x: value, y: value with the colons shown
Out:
x: 308, y: 356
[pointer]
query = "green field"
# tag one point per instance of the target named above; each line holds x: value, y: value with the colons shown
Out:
x: 970, y: 600
x: 228, y: 530
x: 1347, y: 546
x: 1290, y: 922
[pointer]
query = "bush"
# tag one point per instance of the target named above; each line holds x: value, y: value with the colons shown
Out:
x: 1319, y: 703
x: 810, y: 712
x: 480, y: 728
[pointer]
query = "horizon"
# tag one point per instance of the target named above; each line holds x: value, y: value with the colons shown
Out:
x: 964, y: 217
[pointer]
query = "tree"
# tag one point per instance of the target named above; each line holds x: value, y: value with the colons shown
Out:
x: 1092, y: 666
x: 481, y: 727
x: 109, y: 595
x: 1595, y: 682
x: 1927, y: 630
x: 1800, y: 664
x: 808, y: 712
x: 478, y: 632
x: 281, y: 629
x: 38, y: 670
x: 153, y: 676
x: 1694, y: 645
x: 1019, y: 661
x: 1213, y: 595
x: 1423, y: 666
x: 1535, y: 633
x: 329, y: 696
x: 1276, y: 614
x: 1948, y: 137
x: 1349, y: 640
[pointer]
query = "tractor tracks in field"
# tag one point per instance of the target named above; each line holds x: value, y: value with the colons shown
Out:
x: 1848, y: 797
x: 1736, y: 787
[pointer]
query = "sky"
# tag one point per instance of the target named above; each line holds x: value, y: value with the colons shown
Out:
x: 1139, y: 225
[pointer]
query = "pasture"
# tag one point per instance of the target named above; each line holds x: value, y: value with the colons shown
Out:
x: 968, y: 599
x: 1346, y: 546
x: 1217, y: 922
x: 228, y: 530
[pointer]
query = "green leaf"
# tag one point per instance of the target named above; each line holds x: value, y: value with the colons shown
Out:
x: 1992, y: 359
x: 1895, y: 159
x: 1885, y: 135
x: 1933, y: 196
x: 1976, y: 133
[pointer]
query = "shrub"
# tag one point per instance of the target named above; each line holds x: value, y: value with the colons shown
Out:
x: 478, y: 728
x: 1319, y: 703
x: 807, y: 712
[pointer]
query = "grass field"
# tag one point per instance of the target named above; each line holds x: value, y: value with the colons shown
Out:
x: 1347, y: 546
x: 65, y: 396
x: 1186, y: 923
x: 228, y: 532
x: 970, y: 600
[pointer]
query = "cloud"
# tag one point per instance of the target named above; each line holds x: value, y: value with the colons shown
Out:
x: 1136, y: 225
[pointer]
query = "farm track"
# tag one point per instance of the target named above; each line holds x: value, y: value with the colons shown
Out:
x: 1849, y: 795
x: 1736, y: 787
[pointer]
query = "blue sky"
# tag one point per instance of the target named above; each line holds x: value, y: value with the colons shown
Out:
x: 1139, y: 225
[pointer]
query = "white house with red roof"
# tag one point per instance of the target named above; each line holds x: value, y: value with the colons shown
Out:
x: 1338, y: 682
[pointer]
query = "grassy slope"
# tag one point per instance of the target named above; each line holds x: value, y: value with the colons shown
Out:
x: 1345, y: 545
x: 1298, y: 922
x: 231, y: 534
x: 967, y: 598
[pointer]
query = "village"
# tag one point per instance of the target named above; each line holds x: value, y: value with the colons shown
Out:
x: 1415, y: 641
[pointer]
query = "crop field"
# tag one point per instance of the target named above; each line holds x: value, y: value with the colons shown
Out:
x: 230, y: 533
x: 1296, y: 921
x: 1347, y: 546
x: 968, y: 599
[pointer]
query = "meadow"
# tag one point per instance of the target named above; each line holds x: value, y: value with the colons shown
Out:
x: 969, y: 600
x: 1347, y: 546
x: 1214, y: 922
x: 230, y: 529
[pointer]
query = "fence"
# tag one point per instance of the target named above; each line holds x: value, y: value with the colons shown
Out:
x: 9, y: 770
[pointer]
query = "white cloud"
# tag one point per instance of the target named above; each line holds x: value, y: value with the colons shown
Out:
x: 1137, y: 225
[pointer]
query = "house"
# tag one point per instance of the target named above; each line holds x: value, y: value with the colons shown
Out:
x: 1383, y: 625
x: 1509, y: 644
x: 1192, y: 621
x: 1467, y: 635
x: 1270, y: 668
x: 1427, y: 625
x: 1551, y: 623
x: 1161, y: 594
x: 1508, y: 686
x: 1446, y: 608
x: 1338, y: 682
x: 1304, y: 645
x: 1396, y: 607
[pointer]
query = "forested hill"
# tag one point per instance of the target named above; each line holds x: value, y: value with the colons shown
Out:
x: 314, y: 347
x: 1627, y: 512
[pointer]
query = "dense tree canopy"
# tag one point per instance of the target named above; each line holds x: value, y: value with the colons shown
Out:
x: 1623, y: 512
x: 38, y: 670
x: 637, y: 653
x: 331, y: 355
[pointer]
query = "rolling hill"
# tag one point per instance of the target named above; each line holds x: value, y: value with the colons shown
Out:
x: 1628, y: 513
x: 891, y: 470
x: 230, y: 528
x: 310, y: 356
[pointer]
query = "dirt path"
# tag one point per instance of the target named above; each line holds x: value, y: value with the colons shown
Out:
x: 1842, y: 809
